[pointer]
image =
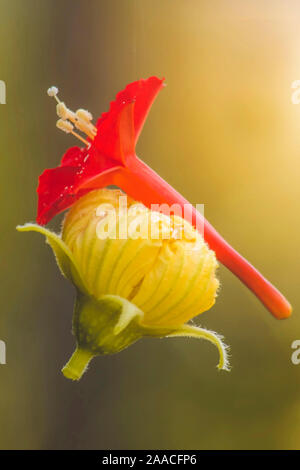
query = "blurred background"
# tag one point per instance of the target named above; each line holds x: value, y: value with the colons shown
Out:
x: 225, y: 133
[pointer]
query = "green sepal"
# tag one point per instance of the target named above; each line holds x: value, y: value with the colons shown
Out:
x: 191, y: 331
x: 110, y: 324
x: 62, y: 253
x: 101, y: 326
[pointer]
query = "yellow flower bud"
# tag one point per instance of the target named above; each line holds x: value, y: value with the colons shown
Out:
x: 137, y: 273
x: 161, y: 264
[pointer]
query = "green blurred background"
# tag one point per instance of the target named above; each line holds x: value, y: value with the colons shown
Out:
x: 224, y: 133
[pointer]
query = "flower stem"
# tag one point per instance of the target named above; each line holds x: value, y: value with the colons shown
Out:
x: 78, y: 363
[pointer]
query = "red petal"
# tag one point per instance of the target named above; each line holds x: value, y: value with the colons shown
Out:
x: 110, y: 140
x: 83, y: 169
x: 55, y: 192
x: 73, y: 157
x: 60, y: 187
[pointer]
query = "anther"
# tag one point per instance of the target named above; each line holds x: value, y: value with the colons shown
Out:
x: 84, y: 115
x: 67, y: 127
x: 88, y: 129
x: 63, y: 112
x: 81, y: 119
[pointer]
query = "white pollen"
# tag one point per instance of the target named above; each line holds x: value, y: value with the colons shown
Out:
x: 62, y: 111
x: 52, y: 91
x: 65, y: 126
x: 84, y: 115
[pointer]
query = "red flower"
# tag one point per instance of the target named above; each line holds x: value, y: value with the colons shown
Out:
x: 109, y: 159
x: 117, y: 133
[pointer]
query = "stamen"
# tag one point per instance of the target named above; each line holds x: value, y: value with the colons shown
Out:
x: 64, y: 126
x: 67, y: 127
x: 81, y: 138
x: 84, y: 115
x: 81, y: 119
x: 63, y: 112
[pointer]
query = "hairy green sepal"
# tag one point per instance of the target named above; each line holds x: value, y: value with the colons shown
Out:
x: 101, y: 326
